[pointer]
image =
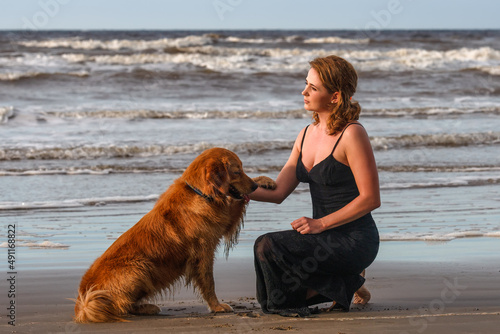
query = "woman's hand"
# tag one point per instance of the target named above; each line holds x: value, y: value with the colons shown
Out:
x: 306, y: 225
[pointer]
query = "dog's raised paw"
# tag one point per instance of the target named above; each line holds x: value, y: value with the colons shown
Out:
x: 265, y: 182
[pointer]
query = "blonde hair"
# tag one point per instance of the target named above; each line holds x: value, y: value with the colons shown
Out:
x: 338, y: 75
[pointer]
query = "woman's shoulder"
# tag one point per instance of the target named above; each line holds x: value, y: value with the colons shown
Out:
x: 355, y: 133
x: 299, y: 139
x: 354, y: 128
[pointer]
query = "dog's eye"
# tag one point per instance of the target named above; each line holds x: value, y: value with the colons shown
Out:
x: 237, y: 172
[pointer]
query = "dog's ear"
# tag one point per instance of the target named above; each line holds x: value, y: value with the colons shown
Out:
x: 217, y: 178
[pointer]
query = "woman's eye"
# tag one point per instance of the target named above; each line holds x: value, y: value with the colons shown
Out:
x: 312, y: 87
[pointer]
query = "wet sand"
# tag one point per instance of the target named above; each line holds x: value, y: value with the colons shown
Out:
x: 407, y: 297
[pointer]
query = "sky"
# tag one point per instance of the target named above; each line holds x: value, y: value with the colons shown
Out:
x: 247, y: 14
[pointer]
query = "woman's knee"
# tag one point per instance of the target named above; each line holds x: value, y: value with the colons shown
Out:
x: 262, y: 247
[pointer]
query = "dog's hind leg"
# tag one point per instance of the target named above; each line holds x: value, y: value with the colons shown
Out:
x: 144, y: 309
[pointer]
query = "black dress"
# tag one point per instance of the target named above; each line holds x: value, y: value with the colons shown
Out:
x: 287, y: 263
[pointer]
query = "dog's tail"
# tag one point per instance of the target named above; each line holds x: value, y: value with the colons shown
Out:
x: 96, y: 306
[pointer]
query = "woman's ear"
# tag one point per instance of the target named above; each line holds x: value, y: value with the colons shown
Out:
x: 335, y: 97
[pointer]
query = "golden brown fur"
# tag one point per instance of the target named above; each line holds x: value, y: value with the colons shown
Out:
x: 176, y: 239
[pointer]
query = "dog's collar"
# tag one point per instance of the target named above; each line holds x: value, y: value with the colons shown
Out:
x: 199, y: 192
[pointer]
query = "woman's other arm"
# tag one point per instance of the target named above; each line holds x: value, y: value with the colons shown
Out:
x: 359, y: 155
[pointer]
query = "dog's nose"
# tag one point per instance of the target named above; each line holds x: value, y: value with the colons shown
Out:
x: 254, y: 186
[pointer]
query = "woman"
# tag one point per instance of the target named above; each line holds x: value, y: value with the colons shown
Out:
x: 323, y: 257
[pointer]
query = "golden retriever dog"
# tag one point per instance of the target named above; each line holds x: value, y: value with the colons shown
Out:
x: 176, y: 239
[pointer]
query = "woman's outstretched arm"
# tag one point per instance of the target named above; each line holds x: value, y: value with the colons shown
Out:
x: 286, y: 182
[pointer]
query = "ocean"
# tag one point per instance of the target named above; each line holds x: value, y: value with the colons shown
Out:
x: 95, y: 125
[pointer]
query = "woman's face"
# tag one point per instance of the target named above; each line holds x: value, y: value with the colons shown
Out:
x: 316, y: 96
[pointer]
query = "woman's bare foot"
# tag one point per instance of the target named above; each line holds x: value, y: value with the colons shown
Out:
x: 329, y: 309
x: 362, y: 296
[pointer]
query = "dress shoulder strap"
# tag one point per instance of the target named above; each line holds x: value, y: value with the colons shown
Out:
x: 303, y: 137
x: 338, y: 140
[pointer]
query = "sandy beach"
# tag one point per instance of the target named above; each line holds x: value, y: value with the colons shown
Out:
x: 434, y: 296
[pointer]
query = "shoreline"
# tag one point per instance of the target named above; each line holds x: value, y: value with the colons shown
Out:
x: 407, y: 297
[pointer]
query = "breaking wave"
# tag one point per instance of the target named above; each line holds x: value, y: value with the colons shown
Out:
x: 276, y: 59
x: 18, y: 76
x: 156, y: 114
x: 37, y: 245
x: 74, y: 203
x: 6, y: 113
x: 129, y: 151
x: 288, y: 114
x: 126, y: 151
x: 446, y: 140
x: 179, y: 42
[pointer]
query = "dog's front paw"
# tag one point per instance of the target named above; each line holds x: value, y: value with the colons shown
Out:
x: 222, y: 308
x: 265, y: 182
